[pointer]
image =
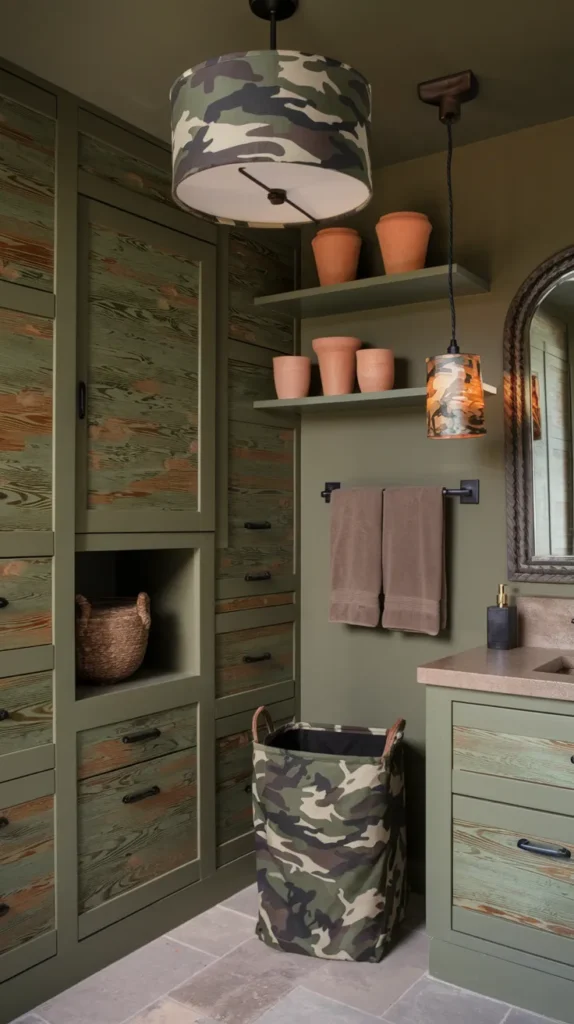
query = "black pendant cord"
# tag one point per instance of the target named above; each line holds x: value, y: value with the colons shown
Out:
x: 273, y: 30
x: 453, y: 347
x: 277, y: 196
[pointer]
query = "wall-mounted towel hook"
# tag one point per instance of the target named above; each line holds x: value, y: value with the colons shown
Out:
x: 468, y: 492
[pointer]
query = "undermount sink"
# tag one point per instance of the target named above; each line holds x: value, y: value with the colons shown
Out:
x: 558, y: 666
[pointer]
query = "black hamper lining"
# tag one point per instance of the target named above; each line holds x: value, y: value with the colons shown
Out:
x: 345, y: 744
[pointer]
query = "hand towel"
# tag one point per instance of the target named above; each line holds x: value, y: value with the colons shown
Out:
x: 356, y: 542
x: 414, y: 580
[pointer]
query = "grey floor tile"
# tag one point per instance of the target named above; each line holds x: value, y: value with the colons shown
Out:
x: 368, y: 987
x: 238, y: 988
x: 523, y: 1017
x: 217, y: 931
x: 301, y: 1005
x: 246, y: 901
x: 166, y: 1011
x: 431, y: 1002
x: 29, y: 1018
x: 411, y: 949
x: 125, y: 987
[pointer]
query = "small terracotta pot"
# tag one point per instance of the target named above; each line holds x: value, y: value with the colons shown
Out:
x: 404, y: 238
x: 292, y: 376
x: 376, y: 369
x: 336, y: 252
x: 337, y: 364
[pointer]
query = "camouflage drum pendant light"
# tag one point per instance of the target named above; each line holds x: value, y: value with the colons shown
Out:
x: 455, y: 396
x: 271, y: 138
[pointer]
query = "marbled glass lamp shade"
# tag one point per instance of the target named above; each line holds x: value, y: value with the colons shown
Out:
x: 455, y: 397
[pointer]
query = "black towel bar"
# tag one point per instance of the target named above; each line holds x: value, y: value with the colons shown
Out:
x: 468, y: 492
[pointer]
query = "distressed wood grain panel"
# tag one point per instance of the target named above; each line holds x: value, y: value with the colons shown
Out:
x: 261, y: 489
x: 532, y: 759
x: 121, y: 168
x: 246, y: 604
x: 26, y: 196
x: 124, y: 845
x: 142, y: 325
x: 248, y: 383
x: 259, y: 268
x: 103, y: 749
x: 234, y: 675
x: 27, y: 872
x: 25, y: 711
x: 26, y: 621
x: 25, y: 421
x: 493, y: 877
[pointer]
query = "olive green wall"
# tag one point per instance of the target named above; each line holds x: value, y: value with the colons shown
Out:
x: 514, y: 207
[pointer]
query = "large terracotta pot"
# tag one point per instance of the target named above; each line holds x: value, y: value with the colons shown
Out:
x: 376, y: 369
x: 336, y: 252
x: 404, y: 238
x: 292, y: 376
x: 337, y: 364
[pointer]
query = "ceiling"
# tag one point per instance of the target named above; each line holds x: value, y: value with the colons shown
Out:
x: 123, y: 55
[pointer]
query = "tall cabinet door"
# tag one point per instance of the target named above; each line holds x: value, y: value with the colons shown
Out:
x: 146, y: 367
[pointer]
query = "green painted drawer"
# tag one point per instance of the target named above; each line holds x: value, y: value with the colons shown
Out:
x: 248, y: 658
x: 510, y: 744
x: 122, y: 842
x: 25, y: 711
x: 139, y: 739
x: 26, y: 620
x: 26, y: 872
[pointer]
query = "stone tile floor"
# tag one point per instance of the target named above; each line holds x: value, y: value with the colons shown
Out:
x: 212, y: 969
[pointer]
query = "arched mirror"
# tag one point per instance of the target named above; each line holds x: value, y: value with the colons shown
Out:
x: 539, y: 409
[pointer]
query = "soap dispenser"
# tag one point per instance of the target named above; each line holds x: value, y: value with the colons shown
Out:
x: 502, y: 623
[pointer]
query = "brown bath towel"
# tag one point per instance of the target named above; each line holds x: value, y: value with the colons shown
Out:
x: 356, y: 517
x: 414, y: 582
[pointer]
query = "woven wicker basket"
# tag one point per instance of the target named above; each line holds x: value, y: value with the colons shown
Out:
x: 111, y: 637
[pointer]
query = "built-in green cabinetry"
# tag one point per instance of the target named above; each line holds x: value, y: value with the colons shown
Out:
x: 131, y: 459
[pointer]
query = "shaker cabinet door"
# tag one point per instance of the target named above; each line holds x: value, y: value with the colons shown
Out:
x: 146, y: 387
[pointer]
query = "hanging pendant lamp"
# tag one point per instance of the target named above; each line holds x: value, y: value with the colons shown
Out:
x: 455, y: 396
x: 271, y: 138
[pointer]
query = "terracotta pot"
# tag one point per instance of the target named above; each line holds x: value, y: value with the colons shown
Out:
x: 336, y: 252
x: 404, y: 238
x: 292, y: 376
x: 337, y: 364
x: 376, y: 369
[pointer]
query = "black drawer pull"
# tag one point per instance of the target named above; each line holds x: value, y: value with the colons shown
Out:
x: 4, y: 822
x: 4, y: 602
x: 558, y: 852
x: 4, y: 714
x: 81, y: 399
x: 248, y: 788
x: 134, y: 798
x: 253, y: 577
x: 4, y: 908
x: 139, y: 737
x: 250, y: 659
x: 258, y: 526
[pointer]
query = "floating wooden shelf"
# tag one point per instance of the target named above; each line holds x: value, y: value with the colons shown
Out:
x: 399, y: 397
x: 375, y: 292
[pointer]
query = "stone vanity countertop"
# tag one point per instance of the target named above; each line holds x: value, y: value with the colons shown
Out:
x: 516, y: 671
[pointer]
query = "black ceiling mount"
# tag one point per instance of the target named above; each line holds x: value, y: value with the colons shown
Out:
x: 449, y: 93
x: 283, y: 8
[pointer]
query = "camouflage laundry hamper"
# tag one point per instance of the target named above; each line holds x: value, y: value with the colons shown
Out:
x: 329, y: 815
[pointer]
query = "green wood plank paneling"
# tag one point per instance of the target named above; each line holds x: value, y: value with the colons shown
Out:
x: 106, y: 748
x: 26, y: 196
x: 254, y: 603
x: 541, y: 760
x: 26, y: 621
x: 25, y: 421
x: 121, y: 168
x: 256, y: 268
x: 26, y: 871
x: 234, y: 675
x: 122, y: 845
x: 25, y: 712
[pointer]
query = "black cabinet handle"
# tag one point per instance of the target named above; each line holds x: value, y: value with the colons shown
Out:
x: 252, y: 577
x: 134, y: 798
x: 4, y: 822
x: 139, y: 737
x: 265, y: 525
x: 4, y: 714
x: 558, y: 852
x: 250, y: 659
x: 248, y: 788
x: 4, y: 602
x: 82, y: 399
x: 4, y: 908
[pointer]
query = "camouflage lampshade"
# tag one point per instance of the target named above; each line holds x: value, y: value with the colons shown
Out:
x: 297, y: 122
x: 455, y: 397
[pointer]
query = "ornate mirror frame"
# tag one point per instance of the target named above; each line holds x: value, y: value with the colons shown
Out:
x: 523, y: 565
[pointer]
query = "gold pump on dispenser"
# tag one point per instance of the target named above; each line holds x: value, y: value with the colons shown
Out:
x: 502, y: 623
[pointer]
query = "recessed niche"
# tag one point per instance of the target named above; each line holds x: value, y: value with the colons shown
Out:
x: 171, y: 579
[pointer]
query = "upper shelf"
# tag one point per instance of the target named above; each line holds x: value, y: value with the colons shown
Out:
x: 355, y: 402
x: 375, y: 292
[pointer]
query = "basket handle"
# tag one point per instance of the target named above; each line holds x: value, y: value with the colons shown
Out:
x: 391, y: 737
x: 142, y: 605
x: 83, y: 612
x: 255, y: 723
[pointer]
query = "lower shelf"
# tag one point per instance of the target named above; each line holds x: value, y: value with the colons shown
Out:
x: 396, y: 398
